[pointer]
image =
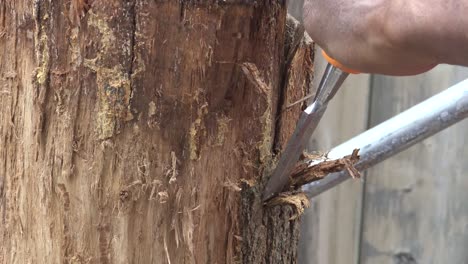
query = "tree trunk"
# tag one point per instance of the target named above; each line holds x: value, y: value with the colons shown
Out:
x: 144, y: 131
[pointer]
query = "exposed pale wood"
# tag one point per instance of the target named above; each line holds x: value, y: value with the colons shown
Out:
x: 416, y: 203
x: 127, y: 126
x: 330, y: 228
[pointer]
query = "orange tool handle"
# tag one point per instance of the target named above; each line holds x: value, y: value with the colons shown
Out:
x: 338, y: 64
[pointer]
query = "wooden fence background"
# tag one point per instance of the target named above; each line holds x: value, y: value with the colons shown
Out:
x: 412, y: 208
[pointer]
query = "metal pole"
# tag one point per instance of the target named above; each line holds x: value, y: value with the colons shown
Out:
x: 398, y: 133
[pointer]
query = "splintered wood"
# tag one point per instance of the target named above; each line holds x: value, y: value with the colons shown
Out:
x: 253, y: 75
x: 299, y: 201
x: 304, y: 174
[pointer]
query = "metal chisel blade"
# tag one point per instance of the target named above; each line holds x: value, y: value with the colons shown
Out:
x: 306, y: 125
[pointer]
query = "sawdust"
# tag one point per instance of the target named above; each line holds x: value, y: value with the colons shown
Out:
x: 114, y: 93
x: 253, y: 75
x: 298, y: 201
x: 113, y: 81
x: 42, y: 71
x: 108, y: 38
x: 304, y: 174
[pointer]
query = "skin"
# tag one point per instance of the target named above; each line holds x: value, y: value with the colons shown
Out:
x: 392, y: 37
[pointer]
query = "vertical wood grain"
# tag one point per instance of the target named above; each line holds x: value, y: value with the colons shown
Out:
x: 415, y: 208
x: 127, y: 126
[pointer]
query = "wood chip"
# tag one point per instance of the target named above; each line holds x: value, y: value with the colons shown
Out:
x: 304, y: 174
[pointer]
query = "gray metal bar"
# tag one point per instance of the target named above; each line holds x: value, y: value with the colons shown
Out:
x: 398, y: 133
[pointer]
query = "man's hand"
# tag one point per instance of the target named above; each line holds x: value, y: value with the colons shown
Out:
x: 393, y: 37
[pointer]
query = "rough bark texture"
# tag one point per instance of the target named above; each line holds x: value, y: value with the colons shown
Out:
x: 134, y: 132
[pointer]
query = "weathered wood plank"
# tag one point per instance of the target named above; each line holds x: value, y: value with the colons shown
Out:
x: 415, y: 209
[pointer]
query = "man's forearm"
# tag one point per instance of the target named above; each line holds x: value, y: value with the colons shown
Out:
x: 394, y: 37
x: 437, y: 27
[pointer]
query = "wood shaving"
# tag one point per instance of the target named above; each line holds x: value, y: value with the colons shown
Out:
x: 298, y: 201
x: 304, y: 174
